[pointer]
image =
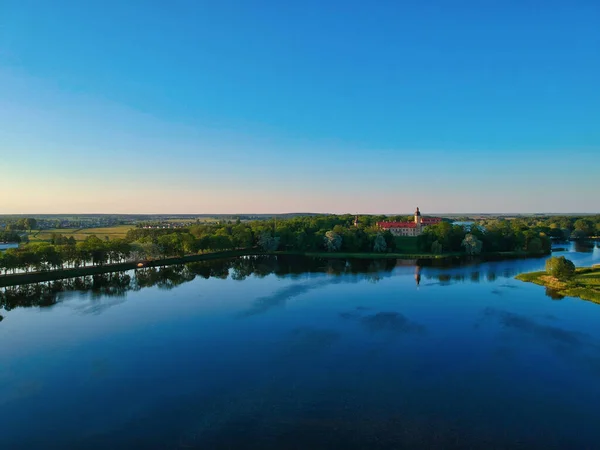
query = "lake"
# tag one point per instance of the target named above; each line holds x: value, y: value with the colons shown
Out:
x: 290, y: 353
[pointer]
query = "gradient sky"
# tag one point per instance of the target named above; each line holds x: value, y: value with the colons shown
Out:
x: 282, y: 106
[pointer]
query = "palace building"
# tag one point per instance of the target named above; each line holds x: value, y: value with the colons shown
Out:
x: 409, y: 228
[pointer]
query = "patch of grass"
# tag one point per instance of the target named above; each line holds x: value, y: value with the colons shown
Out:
x: 585, y: 284
x: 590, y: 294
x: 531, y: 277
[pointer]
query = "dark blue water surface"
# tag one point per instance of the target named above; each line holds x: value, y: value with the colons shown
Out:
x: 278, y: 354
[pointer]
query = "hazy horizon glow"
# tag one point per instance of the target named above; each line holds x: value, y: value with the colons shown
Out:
x: 299, y: 107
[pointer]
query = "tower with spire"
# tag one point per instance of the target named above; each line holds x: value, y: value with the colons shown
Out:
x: 418, y: 220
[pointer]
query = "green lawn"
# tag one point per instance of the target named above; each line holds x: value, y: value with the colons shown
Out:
x: 590, y: 278
x: 585, y: 284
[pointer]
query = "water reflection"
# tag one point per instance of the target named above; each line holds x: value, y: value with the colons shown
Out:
x: 117, y: 284
x: 585, y: 246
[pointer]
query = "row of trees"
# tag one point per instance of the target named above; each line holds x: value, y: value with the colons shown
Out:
x: 496, y: 236
x: 21, y: 224
x: 558, y: 227
x: 326, y: 233
x: 47, y: 256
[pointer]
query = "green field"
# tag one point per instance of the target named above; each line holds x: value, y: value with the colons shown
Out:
x: 80, y: 234
x: 585, y: 284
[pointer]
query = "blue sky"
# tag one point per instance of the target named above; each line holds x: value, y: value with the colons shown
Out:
x: 270, y: 106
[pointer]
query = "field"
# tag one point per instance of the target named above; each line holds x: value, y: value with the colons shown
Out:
x: 80, y: 234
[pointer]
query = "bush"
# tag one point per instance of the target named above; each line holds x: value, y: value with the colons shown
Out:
x: 560, y: 267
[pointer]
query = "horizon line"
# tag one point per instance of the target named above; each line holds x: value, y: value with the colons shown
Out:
x: 290, y: 213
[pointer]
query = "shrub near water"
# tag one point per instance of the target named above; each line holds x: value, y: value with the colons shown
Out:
x: 560, y: 268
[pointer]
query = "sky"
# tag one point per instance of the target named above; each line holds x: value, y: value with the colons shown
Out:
x: 183, y: 107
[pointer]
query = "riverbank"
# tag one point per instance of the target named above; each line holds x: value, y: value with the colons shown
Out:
x: 365, y: 255
x: 60, y: 274
x: 490, y: 256
x: 585, y: 284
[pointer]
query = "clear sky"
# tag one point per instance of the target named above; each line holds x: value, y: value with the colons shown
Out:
x: 282, y: 106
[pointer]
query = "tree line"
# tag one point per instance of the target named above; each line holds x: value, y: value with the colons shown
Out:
x: 324, y: 233
x: 495, y: 236
x: 559, y: 227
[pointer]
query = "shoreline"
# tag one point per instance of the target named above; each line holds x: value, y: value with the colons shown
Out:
x: 60, y: 274
x: 585, y: 283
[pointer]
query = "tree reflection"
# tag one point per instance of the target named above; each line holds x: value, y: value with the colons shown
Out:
x: 114, y: 284
x: 117, y: 284
x: 553, y: 294
x: 584, y: 246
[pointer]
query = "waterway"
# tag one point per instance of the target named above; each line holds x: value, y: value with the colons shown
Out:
x: 274, y: 353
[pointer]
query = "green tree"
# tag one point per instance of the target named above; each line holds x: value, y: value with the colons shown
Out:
x: 584, y: 227
x: 472, y: 245
x: 560, y: 267
x: 436, y: 247
x: 29, y: 223
x: 535, y: 245
x: 379, y: 245
x: 267, y: 242
x: 333, y: 241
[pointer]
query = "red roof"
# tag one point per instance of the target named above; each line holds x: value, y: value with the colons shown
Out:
x: 424, y: 221
x: 397, y: 225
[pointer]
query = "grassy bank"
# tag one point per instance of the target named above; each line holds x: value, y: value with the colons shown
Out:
x: 585, y: 284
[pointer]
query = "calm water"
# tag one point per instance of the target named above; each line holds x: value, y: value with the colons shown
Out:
x: 315, y: 355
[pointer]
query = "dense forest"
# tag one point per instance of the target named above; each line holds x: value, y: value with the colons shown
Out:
x: 325, y: 233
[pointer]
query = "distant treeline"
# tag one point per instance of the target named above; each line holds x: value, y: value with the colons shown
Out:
x: 325, y: 233
x: 559, y: 227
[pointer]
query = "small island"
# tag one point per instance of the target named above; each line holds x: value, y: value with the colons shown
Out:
x: 563, y: 279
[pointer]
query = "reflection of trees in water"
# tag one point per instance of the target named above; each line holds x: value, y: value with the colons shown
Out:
x: 554, y: 295
x: 475, y: 277
x: 117, y: 284
x: 114, y: 284
x: 584, y: 246
x: 166, y: 277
